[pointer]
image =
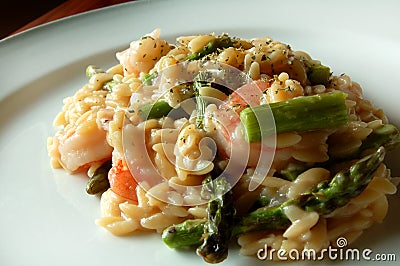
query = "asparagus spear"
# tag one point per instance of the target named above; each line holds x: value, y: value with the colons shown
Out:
x: 99, y: 183
x: 156, y: 110
x: 298, y: 114
x: 201, y: 104
x: 263, y: 218
x: 162, y: 108
x: 147, y: 79
x: 293, y: 170
x: 218, y: 226
x: 221, y: 42
x: 319, y: 74
x: 92, y: 70
x: 109, y: 85
x: 186, y: 234
x: 328, y: 196
x: 344, y: 186
x: 387, y: 135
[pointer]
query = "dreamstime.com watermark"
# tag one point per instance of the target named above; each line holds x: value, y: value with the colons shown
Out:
x: 331, y: 253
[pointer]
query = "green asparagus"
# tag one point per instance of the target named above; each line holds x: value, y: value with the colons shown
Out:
x: 92, y: 70
x: 386, y: 135
x: 146, y: 80
x: 186, y: 234
x: 218, y: 226
x: 298, y: 114
x: 327, y: 196
x: 99, y: 183
x: 201, y: 104
x: 319, y: 74
x: 109, y: 85
x: 344, y: 186
x: 264, y: 218
x: 157, y: 110
x: 293, y: 170
x: 262, y: 201
x: 221, y: 42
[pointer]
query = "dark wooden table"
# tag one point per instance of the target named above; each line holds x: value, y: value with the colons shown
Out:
x: 69, y: 8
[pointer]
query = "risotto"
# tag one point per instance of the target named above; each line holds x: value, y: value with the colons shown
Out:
x: 216, y: 138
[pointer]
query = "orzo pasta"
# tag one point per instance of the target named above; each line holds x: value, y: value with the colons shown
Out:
x: 171, y: 138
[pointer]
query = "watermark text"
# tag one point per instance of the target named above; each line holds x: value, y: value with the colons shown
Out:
x: 331, y: 253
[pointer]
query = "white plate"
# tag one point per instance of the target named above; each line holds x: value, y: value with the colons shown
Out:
x: 46, y: 216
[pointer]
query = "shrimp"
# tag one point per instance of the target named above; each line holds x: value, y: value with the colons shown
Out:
x: 229, y: 135
x: 225, y: 120
x: 143, y: 54
x: 261, y: 91
x: 122, y: 182
x: 247, y: 95
x: 283, y: 89
x: 81, y: 144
